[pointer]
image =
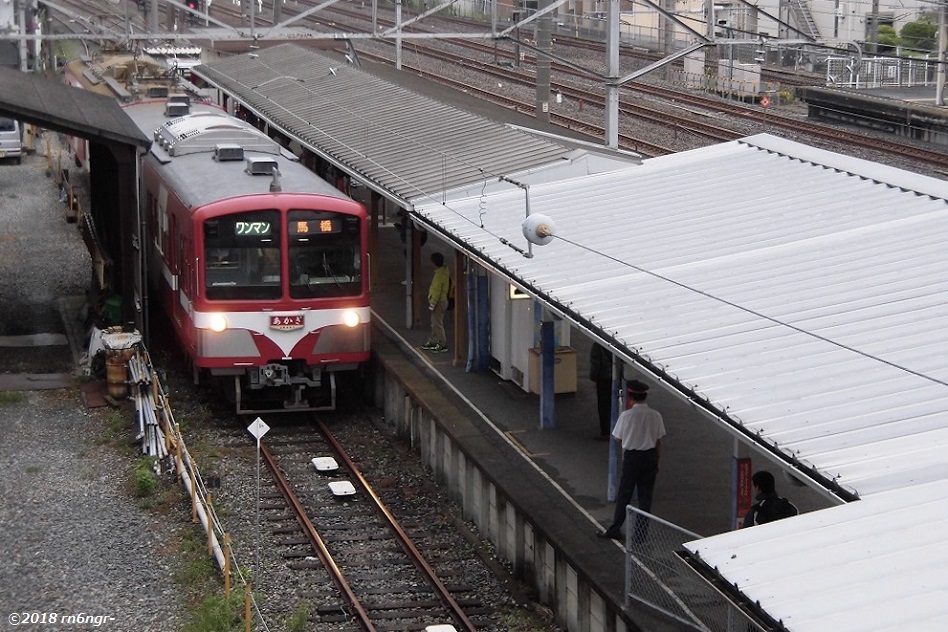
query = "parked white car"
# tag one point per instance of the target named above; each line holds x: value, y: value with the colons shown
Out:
x: 11, y: 139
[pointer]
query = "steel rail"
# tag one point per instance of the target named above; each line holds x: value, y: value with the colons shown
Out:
x: 443, y: 593
x: 317, y: 542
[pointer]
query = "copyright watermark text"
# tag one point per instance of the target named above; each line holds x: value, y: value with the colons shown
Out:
x: 58, y: 618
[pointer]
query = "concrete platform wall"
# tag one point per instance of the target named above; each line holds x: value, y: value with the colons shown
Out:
x: 918, y: 121
x: 467, y: 465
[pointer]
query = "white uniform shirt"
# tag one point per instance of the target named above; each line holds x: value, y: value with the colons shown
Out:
x: 639, y: 427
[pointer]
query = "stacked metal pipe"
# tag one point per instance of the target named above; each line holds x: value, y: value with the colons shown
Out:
x: 150, y: 434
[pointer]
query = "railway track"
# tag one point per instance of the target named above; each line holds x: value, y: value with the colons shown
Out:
x: 929, y: 156
x: 689, y: 118
x: 685, y: 112
x: 389, y: 574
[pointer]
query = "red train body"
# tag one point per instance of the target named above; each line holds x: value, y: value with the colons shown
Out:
x: 260, y: 265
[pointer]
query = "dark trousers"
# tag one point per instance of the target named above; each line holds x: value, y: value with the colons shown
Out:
x: 604, y: 405
x: 639, y: 470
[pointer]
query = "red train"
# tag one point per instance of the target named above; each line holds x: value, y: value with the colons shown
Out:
x: 261, y: 265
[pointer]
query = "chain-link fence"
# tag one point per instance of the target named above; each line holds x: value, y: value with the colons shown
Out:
x: 656, y: 577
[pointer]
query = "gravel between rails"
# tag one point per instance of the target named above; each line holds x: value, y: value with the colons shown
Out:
x: 73, y: 539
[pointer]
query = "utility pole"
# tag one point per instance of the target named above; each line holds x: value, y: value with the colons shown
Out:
x: 398, y: 34
x: 544, y: 40
x: 942, y: 45
x: 21, y: 21
x: 874, y: 28
x: 612, y: 76
x: 784, y: 13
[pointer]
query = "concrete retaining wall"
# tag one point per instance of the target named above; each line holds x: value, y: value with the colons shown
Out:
x: 524, y: 517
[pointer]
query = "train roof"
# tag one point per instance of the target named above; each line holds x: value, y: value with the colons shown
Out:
x: 207, y: 155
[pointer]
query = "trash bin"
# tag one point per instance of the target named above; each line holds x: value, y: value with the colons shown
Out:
x: 119, y: 348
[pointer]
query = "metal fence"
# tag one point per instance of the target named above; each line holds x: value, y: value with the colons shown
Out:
x: 878, y: 72
x: 657, y: 578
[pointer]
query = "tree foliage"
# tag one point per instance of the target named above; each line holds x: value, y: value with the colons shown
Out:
x: 921, y: 36
x: 888, y: 40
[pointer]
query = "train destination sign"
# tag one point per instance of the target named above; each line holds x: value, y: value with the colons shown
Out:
x: 256, y: 229
x: 315, y: 227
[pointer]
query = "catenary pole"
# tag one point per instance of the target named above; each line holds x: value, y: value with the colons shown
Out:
x: 612, y: 76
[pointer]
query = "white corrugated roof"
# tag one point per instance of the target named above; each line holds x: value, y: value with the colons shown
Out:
x: 875, y: 565
x: 798, y: 295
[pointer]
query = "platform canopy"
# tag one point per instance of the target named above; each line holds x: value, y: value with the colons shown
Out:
x: 798, y: 296
x: 385, y: 132
x: 63, y: 108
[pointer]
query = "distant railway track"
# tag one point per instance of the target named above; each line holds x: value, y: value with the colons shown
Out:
x: 630, y: 52
x: 383, y: 580
x: 684, y: 113
x: 932, y: 157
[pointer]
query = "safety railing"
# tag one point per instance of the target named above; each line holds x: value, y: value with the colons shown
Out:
x: 878, y: 72
x: 657, y: 578
x: 160, y: 437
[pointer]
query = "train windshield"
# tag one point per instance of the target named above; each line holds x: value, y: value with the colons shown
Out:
x: 242, y: 254
x: 325, y: 260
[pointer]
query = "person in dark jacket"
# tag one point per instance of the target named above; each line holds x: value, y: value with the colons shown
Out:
x: 769, y: 505
x: 600, y: 372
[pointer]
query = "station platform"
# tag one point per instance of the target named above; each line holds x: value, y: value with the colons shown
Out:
x: 907, y: 111
x: 694, y: 486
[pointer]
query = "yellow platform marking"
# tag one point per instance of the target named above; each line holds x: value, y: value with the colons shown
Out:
x: 510, y: 435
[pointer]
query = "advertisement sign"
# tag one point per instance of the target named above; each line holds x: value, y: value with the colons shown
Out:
x: 744, y: 489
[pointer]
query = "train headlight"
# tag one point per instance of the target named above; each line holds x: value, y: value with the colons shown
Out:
x: 350, y: 318
x: 218, y: 323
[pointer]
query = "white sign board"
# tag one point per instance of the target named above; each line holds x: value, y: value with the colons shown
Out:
x: 258, y: 428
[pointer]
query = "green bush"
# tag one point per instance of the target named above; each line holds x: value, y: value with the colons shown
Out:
x: 217, y: 614
x: 299, y: 620
x: 144, y: 479
x: 11, y: 397
x: 921, y: 36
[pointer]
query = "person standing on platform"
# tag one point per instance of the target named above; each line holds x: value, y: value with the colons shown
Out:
x: 438, y: 304
x: 639, y: 430
x: 769, y: 506
x: 600, y: 372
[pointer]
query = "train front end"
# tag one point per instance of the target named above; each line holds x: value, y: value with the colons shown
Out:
x: 284, y: 301
x: 260, y: 264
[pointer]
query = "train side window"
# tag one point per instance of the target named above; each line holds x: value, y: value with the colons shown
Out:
x: 163, y: 245
x: 152, y: 215
x: 173, y: 239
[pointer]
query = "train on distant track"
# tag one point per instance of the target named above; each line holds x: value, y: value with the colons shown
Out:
x: 260, y: 265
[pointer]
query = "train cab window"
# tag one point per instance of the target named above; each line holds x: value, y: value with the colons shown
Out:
x: 242, y: 257
x: 325, y: 260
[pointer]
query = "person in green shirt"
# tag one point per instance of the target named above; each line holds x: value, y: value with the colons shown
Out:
x: 438, y: 304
